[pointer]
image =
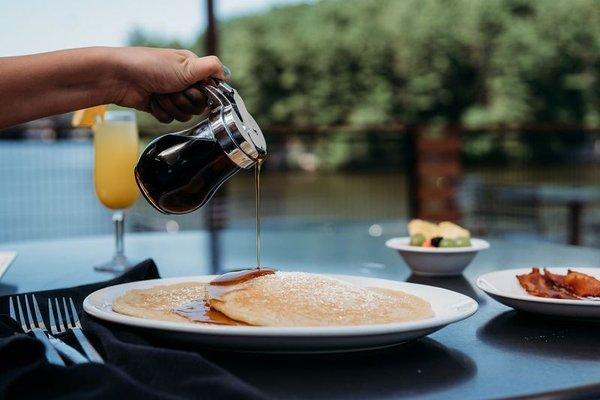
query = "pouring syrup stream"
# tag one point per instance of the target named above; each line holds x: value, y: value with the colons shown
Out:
x: 200, y: 310
x: 257, y: 195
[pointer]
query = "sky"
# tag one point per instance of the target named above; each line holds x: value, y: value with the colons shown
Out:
x: 34, y: 26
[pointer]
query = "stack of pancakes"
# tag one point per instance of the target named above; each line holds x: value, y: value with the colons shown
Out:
x: 291, y: 299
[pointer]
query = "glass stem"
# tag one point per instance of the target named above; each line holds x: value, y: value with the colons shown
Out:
x: 119, y: 220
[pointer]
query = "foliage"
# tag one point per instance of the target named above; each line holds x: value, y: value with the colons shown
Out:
x: 354, y: 62
x: 376, y: 61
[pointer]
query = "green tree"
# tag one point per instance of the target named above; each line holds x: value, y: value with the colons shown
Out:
x: 476, y: 62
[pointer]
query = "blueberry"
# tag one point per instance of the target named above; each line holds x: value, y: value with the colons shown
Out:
x: 435, y: 242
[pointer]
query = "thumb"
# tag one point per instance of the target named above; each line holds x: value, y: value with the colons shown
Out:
x: 200, y: 68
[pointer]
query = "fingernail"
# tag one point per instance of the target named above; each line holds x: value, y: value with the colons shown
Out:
x: 226, y: 71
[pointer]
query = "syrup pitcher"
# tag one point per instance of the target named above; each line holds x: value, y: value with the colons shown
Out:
x: 179, y: 172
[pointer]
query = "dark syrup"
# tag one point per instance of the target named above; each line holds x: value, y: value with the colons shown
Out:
x: 235, y: 277
x: 257, y: 199
x: 200, y: 311
x: 178, y: 173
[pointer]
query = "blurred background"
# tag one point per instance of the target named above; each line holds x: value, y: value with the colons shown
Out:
x: 375, y: 111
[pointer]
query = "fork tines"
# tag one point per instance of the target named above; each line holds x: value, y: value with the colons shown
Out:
x: 72, y: 323
x: 37, y: 326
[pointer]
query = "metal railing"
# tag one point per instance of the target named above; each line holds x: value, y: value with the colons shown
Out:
x: 46, y: 187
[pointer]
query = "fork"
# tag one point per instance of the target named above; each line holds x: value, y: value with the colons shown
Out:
x: 51, y: 354
x: 60, y: 346
x: 63, y: 348
x: 87, y: 347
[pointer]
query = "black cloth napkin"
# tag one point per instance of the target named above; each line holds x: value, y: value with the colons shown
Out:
x: 134, y: 369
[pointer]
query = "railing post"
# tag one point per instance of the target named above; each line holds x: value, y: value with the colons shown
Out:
x: 412, y: 176
x: 437, y: 172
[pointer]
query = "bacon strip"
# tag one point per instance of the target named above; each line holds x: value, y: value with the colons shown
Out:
x: 574, y: 285
x: 557, y: 280
x: 583, y: 285
x: 540, y: 285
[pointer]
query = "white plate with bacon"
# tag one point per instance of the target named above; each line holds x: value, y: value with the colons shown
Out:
x: 562, y: 292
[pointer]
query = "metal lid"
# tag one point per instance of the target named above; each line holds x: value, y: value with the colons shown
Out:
x: 233, y: 127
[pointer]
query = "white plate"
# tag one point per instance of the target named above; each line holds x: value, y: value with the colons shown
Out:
x: 437, y: 261
x: 504, y: 287
x: 447, y: 305
x: 6, y: 258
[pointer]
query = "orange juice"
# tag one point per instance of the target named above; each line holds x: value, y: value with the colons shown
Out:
x: 115, y: 156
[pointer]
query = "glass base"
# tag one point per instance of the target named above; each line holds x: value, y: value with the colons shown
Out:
x: 118, y: 264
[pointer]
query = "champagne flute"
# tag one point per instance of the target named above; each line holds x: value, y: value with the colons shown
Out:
x: 115, y: 155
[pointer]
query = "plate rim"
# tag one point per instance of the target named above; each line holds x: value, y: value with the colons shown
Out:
x: 484, y: 284
x: 465, y: 307
x: 401, y: 243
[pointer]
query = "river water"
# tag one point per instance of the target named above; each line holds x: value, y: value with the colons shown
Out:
x: 46, y: 191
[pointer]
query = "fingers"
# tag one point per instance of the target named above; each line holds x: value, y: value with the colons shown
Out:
x: 181, y: 106
x: 167, y: 105
x: 194, y: 98
x: 201, y: 68
x: 158, y: 112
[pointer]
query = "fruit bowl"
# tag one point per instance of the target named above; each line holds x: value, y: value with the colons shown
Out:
x: 436, y: 261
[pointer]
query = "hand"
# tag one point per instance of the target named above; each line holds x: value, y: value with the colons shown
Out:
x: 160, y: 81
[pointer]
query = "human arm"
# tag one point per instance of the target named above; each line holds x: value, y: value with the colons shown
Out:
x: 153, y: 80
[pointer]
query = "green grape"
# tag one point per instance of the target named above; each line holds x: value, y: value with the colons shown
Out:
x: 462, y: 242
x: 417, y: 240
x: 447, y: 243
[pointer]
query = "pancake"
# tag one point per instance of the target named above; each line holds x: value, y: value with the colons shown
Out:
x: 302, y: 299
x: 159, y: 302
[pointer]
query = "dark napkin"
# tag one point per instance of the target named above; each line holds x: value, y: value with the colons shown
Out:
x: 134, y: 368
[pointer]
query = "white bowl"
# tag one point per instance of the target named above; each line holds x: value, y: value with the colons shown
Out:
x: 436, y: 261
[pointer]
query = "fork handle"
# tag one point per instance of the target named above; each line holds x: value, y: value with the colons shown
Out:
x: 68, y: 351
x: 51, y: 354
x: 87, y: 347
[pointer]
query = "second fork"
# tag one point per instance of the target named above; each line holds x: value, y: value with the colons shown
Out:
x: 74, y: 326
